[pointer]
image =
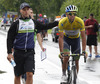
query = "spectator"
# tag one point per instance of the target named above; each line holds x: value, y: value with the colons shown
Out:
x: 20, y: 37
x: 39, y: 41
x: 85, y: 18
x: 45, y: 22
x: 4, y: 22
x: 40, y: 19
x: 91, y: 34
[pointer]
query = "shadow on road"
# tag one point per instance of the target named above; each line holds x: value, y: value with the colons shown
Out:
x: 1, y: 72
x: 93, y: 65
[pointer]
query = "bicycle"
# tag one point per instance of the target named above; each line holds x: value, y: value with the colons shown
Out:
x: 71, y: 69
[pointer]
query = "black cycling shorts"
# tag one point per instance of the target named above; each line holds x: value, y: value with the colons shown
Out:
x: 72, y: 43
x: 24, y: 62
x: 92, y: 40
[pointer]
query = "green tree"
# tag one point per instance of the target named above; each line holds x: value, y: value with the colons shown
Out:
x: 48, y: 7
x: 85, y: 7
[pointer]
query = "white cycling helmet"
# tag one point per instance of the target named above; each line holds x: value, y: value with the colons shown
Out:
x: 71, y: 8
x: 44, y: 16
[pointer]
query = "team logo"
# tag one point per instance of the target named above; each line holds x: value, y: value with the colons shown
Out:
x: 81, y: 29
x: 61, y: 24
x: 30, y: 23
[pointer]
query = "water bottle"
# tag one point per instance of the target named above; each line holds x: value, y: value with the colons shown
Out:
x: 13, y: 62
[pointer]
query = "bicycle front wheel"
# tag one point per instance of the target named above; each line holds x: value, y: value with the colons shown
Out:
x: 74, y: 75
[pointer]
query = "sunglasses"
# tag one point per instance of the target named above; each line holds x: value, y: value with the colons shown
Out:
x: 72, y: 14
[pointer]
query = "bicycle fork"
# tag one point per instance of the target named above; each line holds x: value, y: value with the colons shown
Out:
x: 69, y: 79
x: 74, y: 72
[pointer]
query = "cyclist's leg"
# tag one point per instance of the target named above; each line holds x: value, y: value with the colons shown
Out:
x: 75, y: 48
x: 66, y: 50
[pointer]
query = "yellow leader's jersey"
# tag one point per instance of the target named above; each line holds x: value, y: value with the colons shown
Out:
x: 71, y: 30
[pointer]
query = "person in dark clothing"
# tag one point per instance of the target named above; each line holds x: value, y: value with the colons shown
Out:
x: 20, y: 37
x: 45, y: 31
x: 39, y: 39
x: 85, y: 18
x: 41, y: 20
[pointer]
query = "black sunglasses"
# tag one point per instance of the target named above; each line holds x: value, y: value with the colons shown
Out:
x: 72, y: 14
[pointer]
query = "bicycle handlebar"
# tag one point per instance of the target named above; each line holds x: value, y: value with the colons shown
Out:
x: 75, y: 55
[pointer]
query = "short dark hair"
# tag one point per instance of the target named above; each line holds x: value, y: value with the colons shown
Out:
x: 85, y: 17
x: 91, y: 14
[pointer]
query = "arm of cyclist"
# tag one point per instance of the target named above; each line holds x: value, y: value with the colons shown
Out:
x: 83, y: 42
x: 61, y: 35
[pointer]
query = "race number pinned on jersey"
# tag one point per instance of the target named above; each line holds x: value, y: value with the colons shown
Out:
x: 43, y: 55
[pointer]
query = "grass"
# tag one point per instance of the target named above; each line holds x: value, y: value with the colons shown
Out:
x: 98, y: 38
x: 49, y: 31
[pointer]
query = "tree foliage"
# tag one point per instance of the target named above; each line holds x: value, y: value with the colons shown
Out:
x: 85, y: 7
x: 48, y: 7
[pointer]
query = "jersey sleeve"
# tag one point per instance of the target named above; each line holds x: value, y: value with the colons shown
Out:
x: 82, y: 28
x: 38, y: 31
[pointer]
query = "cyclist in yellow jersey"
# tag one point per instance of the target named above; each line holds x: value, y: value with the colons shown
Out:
x: 70, y: 28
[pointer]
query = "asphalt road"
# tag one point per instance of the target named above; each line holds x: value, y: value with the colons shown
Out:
x: 49, y: 70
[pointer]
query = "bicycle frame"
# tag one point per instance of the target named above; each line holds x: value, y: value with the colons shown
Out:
x: 72, y: 71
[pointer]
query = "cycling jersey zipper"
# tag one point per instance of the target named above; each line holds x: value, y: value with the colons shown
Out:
x: 26, y: 39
